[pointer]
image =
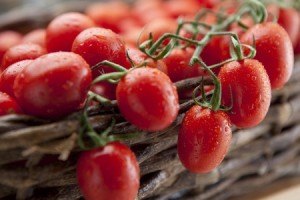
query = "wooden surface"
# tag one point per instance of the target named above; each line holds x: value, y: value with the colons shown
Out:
x: 284, y: 189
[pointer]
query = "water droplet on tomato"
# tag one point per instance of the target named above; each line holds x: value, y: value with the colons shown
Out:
x: 253, y: 78
x: 251, y: 107
x: 227, y: 128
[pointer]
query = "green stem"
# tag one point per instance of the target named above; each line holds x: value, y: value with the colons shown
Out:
x: 102, y: 100
x: 246, y: 8
x: 112, y: 75
x: 113, y: 65
x: 215, y: 101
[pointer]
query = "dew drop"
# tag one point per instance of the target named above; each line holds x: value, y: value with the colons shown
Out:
x: 251, y: 107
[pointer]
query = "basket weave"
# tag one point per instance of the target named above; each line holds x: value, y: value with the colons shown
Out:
x: 38, y: 157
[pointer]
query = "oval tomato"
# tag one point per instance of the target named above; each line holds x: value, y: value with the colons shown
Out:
x: 147, y: 98
x: 249, y: 85
x: 63, y: 29
x: 8, y: 76
x: 147, y: 11
x: 138, y: 58
x: 209, y: 3
x: 105, y: 89
x: 53, y: 85
x: 98, y: 44
x: 110, y: 172
x: 288, y: 18
x: 20, y: 52
x: 8, y: 39
x: 8, y: 105
x: 297, y: 47
x: 36, y: 36
x: 274, y: 50
x: 108, y: 14
x: 182, y: 8
x: 157, y: 28
x: 178, y: 67
x: 204, y: 138
x: 212, y: 52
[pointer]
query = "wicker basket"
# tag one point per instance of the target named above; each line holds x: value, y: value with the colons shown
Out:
x: 38, y: 157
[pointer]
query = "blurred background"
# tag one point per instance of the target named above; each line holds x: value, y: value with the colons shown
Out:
x: 22, y: 15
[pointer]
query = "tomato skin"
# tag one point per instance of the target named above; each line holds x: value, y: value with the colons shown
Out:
x: 36, y: 36
x: 178, y: 65
x: 118, y: 11
x: 204, y: 138
x: 63, y: 29
x: 297, y: 47
x: 157, y: 28
x: 147, y: 11
x: 98, y: 44
x: 138, y: 58
x: 8, y: 76
x: 251, y: 91
x: 8, y: 39
x: 181, y: 8
x: 110, y: 172
x: 105, y: 89
x: 289, y: 19
x: 274, y: 50
x: 147, y: 98
x: 20, y: 52
x: 209, y: 3
x: 212, y: 52
x: 8, y: 105
x: 54, y: 85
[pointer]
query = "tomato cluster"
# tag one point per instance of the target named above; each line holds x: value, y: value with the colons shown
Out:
x: 134, y: 54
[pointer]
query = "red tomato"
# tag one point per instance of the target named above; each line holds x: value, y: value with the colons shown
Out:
x: 62, y: 30
x: 297, y: 47
x: 8, y: 76
x: 136, y: 56
x: 131, y: 36
x: 249, y: 84
x: 36, y: 36
x: 209, y: 3
x: 53, y: 85
x: 274, y: 50
x: 7, y: 40
x: 289, y: 19
x: 105, y: 89
x: 211, y: 53
x: 110, y: 172
x: 139, y: 58
x: 128, y: 24
x: 98, y: 44
x: 148, y: 99
x: 21, y: 52
x: 157, y: 28
x: 8, y: 105
x: 204, y: 138
x: 147, y: 11
x: 225, y: 42
x: 178, y: 65
x: 108, y: 14
x: 180, y: 8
